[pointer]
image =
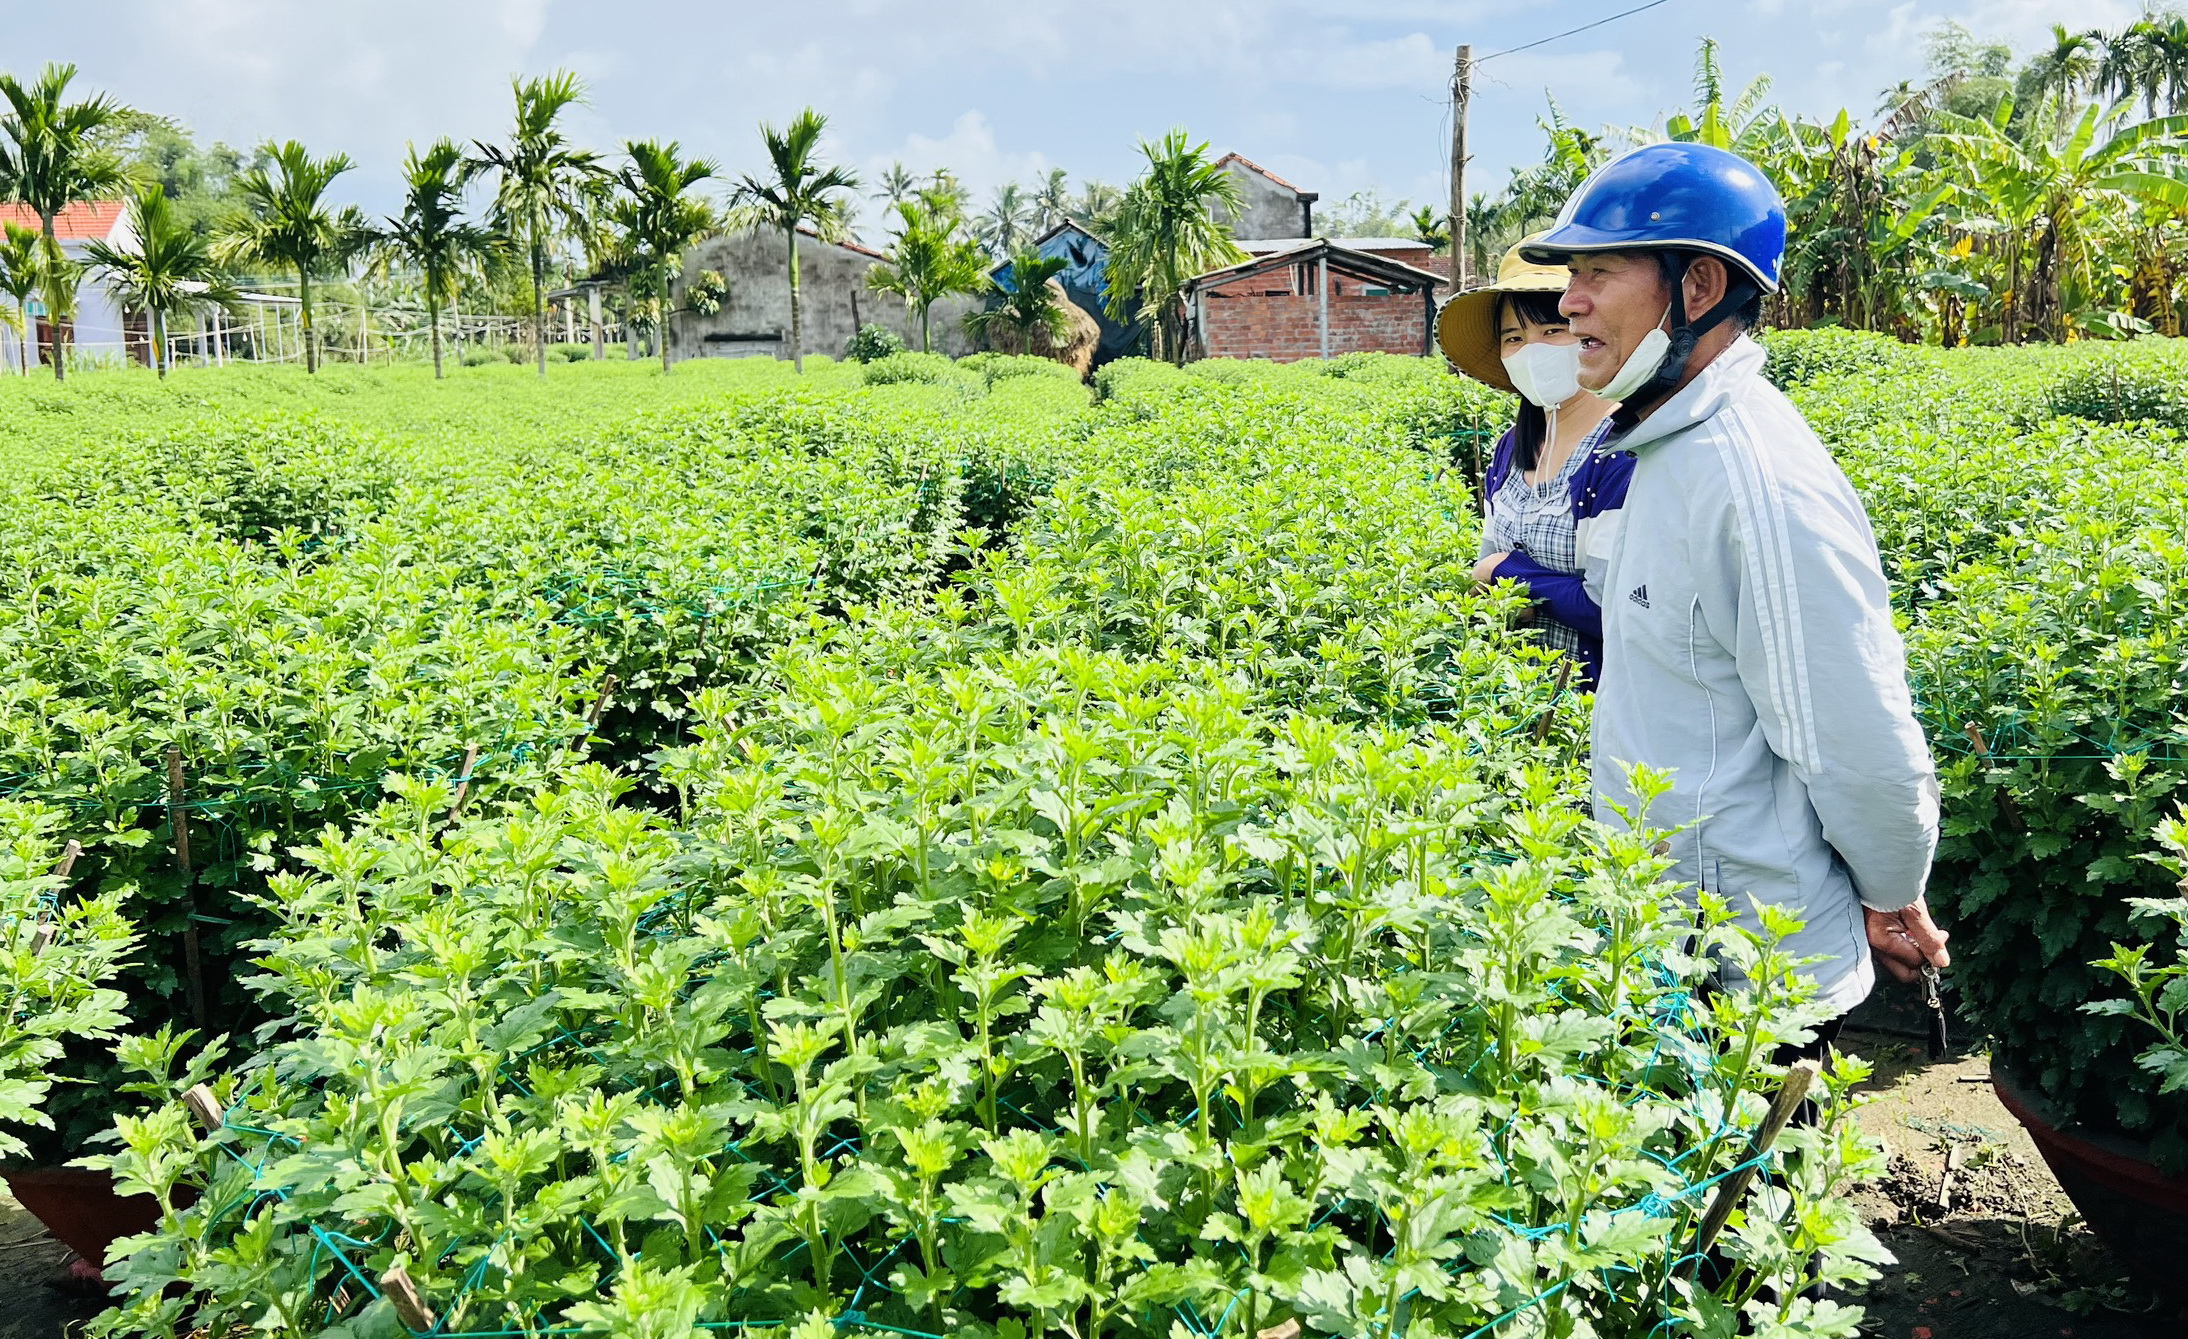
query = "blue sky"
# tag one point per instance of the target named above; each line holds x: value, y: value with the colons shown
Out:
x: 1336, y: 96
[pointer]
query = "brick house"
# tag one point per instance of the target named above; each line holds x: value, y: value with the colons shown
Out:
x: 1314, y: 299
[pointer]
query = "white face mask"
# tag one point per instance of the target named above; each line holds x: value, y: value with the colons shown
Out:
x: 1641, y: 364
x: 1546, y: 374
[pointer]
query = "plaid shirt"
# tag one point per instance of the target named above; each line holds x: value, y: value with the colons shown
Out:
x: 1537, y: 520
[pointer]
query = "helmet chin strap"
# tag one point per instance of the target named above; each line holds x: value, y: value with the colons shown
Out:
x: 1684, y: 335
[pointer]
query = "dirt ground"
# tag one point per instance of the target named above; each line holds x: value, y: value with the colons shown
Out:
x: 2006, y: 1259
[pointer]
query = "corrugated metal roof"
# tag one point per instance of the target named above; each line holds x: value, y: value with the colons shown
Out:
x: 88, y: 221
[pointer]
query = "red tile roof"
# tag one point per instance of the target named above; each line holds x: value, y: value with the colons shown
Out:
x: 77, y: 223
x: 1250, y: 165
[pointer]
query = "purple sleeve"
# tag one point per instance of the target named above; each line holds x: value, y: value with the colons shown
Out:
x: 1565, y: 593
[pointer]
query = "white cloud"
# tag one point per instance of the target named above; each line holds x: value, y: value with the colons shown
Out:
x: 969, y: 151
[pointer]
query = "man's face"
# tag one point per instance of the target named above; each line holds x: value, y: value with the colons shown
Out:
x: 1613, y: 298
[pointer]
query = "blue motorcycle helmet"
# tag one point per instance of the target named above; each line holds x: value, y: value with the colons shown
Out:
x: 1684, y: 200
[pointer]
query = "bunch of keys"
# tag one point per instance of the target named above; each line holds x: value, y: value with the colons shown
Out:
x: 1933, y: 998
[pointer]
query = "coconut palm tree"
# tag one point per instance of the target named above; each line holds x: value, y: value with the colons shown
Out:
x: 1165, y: 233
x: 897, y: 185
x: 1052, y: 200
x: 658, y: 218
x: 540, y: 181
x: 796, y: 191
x: 290, y: 224
x: 52, y: 156
x: 168, y: 272
x: 1009, y: 218
x: 1096, y: 205
x: 431, y: 236
x: 22, y: 273
x: 1028, y: 319
x: 930, y: 258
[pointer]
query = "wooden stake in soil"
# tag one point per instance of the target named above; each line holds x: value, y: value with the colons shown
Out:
x: 600, y: 704
x: 410, y: 1307
x: 2006, y: 803
x: 205, y: 1108
x: 1954, y: 1157
x: 463, y: 781
x: 193, y: 964
x: 41, y: 934
x: 1797, y: 1080
x: 1549, y: 713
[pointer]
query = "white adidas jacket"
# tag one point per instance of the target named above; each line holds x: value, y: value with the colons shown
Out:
x: 1748, y: 646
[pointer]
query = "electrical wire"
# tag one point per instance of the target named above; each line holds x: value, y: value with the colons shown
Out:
x: 1613, y: 18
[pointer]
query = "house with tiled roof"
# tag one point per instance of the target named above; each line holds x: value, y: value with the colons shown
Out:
x: 100, y: 327
x: 1269, y: 206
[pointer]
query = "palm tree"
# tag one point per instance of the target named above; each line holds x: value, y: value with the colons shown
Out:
x: 170, y: 270
x: 2147, y: 59
x: 897, y: 185
x: 1009, y: 214
x: 1052, y: 200
x: 930, y: 258
x: 51, y: 156
x: 1165, y: 233
x: 1029, y: 319
x: 1430, y: 227
x: 289, y: 224
x: 796, y: 191
x: 539, y: 189
x: 658, y: 218
x: 22, y: 273
x: 1097, y: 205
x: 431, y: 236
x: 2061, y: 73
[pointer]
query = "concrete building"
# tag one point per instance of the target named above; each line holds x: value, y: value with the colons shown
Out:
x: 100, y: 329
x: 753, y: 320
x: 1269, y: 206
x: 1084, y: 277
x: 1314, y: 299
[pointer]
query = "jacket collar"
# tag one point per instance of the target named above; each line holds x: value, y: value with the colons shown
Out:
x: 1723, y: 381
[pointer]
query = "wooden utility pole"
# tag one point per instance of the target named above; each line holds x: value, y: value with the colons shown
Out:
x: 1462, y: 92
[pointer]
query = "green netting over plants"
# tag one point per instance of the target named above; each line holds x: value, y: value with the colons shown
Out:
x: 1056, y: 991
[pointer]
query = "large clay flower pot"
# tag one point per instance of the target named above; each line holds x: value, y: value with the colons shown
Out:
x: 79, y: 1207
x: 2141, y: 1214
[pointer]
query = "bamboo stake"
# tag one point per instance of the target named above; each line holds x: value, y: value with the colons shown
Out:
x: 1549, y: 713
x: 193, y: 963
x: 463, y: 781
x: 1797, y: 1081
x: 2006, y: 802
x: 205, y: 1108
x: 410, y: 1307
x: 41, y: 934
x: 608, y: 685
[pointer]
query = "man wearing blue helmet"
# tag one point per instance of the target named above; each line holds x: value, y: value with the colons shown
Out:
x: 1748, y: 636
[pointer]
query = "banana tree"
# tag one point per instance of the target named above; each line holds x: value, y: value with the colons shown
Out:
x: 2052, y: 198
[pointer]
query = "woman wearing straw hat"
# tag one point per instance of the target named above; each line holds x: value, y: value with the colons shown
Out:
x: 1551, y: 498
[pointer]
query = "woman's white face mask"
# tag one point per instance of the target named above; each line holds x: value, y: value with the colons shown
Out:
x: 1546, y: 374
